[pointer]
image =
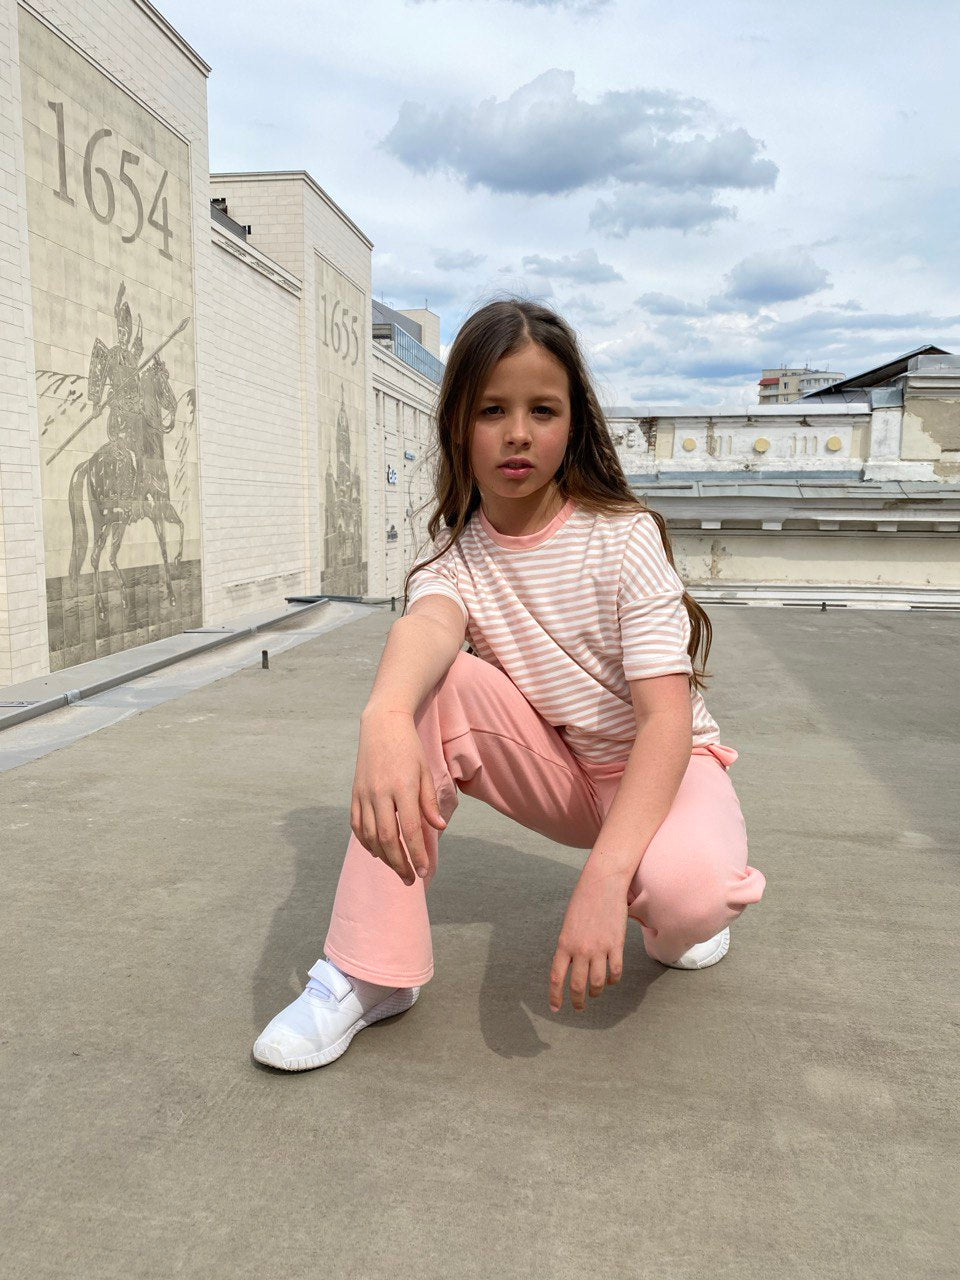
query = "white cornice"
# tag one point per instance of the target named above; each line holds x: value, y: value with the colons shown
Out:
x: 252, y: 257
x: 173, y: 35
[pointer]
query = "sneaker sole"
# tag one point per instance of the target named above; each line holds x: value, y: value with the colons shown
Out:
x: 399, y: 1002
x: 722, y: 949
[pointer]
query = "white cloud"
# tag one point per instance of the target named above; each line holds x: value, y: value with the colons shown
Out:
x: 645, y: 207
x: 544, y: 139
x: 775, y: 276
x: 458, y: 261
x: 583, y: 128
x: 584, y: 267
x: 665, y: 304
x: 583, y: 309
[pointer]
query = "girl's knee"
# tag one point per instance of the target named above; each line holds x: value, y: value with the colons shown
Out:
x: 694, y: 905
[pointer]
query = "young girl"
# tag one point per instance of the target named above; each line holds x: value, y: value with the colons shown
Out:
x: 577, y: 712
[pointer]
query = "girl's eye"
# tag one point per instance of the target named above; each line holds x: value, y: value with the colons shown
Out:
x: 540, y: 408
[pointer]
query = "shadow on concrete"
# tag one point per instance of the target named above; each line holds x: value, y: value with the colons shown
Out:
x: 477, y: 882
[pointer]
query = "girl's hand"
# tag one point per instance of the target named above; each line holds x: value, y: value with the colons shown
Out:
x: 592, y: 936
x: 393, y: 785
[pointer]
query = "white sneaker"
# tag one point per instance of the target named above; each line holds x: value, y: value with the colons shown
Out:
x: 318, y: 1026
x: 703, y: 954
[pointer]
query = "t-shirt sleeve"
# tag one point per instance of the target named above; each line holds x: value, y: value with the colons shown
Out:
x: 654, y: 623
x: 437, y: 579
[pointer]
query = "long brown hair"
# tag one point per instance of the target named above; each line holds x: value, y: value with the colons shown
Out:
x: 590, y: 473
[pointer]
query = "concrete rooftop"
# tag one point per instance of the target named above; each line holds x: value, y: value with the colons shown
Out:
x: 791, y: 1112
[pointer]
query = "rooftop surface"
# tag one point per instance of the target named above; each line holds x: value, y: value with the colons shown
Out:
x: 790, y: 1112
x: 805, y: 409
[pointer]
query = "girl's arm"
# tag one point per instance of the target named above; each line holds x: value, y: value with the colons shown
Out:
x: 594, y: 927
x: 421, y: 648
x: 654, y: 771
x: 392, y: 787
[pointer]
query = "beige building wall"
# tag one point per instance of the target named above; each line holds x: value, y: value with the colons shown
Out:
x: 23, y: 623
x: 931, y: 414
x: 797, y: 558
x: 110, y: 185
x: 297, y: 223
x: 253, y: 436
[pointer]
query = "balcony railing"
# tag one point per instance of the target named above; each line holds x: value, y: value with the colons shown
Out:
x: 409, y: 350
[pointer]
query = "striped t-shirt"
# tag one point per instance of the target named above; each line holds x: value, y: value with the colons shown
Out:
x: 571, y: 613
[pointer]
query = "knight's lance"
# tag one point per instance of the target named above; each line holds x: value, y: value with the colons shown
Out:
x: 97, y: 412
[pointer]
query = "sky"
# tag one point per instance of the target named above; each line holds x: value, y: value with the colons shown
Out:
x: 702, y: 190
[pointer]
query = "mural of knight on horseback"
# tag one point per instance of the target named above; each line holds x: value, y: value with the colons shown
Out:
x: 125, y: 479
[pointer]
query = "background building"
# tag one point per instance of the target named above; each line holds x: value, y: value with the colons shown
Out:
x: 884, y: 375
x: 858, y: 497
x: 406, y: 376
x: 779, y: 386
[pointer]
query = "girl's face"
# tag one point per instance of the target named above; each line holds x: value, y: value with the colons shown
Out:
x: 524, y: 412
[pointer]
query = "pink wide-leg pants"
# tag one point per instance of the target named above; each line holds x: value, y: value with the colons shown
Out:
x: 481, y: 735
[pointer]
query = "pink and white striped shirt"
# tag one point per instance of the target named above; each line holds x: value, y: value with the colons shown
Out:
x: 571, y: 613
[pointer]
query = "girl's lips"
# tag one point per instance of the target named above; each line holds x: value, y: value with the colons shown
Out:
x: 526, y: 467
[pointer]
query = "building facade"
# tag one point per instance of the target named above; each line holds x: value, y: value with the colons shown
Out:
x: 197, y: 422
x: 320, y: 476
x: 105, y: 150
x: 856, y: 496
x: 780, y: 386
x: 406, y: 374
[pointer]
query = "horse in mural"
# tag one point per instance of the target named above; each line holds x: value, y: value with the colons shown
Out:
x: 127, y: 481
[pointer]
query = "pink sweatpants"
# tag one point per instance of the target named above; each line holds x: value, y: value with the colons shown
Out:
x: 481, y: 735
